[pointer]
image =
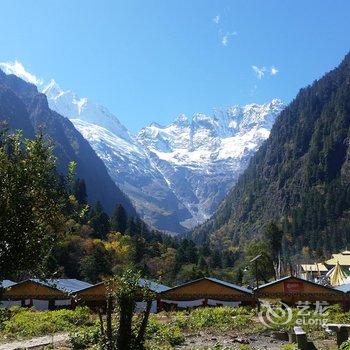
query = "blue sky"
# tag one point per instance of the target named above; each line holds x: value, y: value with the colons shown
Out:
x: 152, y: 60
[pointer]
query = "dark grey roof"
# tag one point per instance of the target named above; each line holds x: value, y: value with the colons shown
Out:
x: 230, y: 285
x: 344, y: 288
x: 67, y: 285
x: 6, y: 283
x: 215, y: 280
x: 299, y: 279
x: 277, y: 281
x: 153, y: 286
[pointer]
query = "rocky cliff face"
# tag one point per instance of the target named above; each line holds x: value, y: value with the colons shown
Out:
x: 23, y: 107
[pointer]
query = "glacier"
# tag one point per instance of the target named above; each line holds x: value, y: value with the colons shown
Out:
x: 176, y: 175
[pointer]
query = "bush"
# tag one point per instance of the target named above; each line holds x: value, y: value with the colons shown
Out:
x: 345, y: 345
x: 222, y: 318
x: 84, y: 338
x: 29, y: 322
x: 289, y: 346
x: 162, y: 333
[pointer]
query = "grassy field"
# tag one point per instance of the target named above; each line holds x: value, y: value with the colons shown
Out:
x: 220, y: 328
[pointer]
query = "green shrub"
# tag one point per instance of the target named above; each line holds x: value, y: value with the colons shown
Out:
x: 85, y: 337
x: 164, y: 333
x: 289, y: 346
x: 345, y: 345
x: 222, y: 318
x: 29, y: 322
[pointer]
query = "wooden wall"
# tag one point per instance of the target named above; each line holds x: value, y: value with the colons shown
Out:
x: 33, y: 290
x: 205, y: 289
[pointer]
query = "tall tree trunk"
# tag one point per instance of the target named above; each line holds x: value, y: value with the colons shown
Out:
x: 109, y: 331
x: 102, y: 328
x: 125, y: 336
x: 141, y: 335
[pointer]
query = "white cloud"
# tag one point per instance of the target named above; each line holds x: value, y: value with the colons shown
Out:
x: 226, y: 38
x: 274, y: 70
x: 259, y: 71
x: 216, y: 19
x: 18, y: 69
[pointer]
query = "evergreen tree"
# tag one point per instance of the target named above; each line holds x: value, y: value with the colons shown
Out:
x: 273, y: 236
x: 80, y: 191
x: 96, y: 264
x: 119, y: 219
x: 216, y: 260
x: 99, y: 222
x: 202, y: 265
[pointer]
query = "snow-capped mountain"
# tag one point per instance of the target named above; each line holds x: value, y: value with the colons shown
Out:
x: 201, y: 157
x: 127, y: 160
x: 176, y: 175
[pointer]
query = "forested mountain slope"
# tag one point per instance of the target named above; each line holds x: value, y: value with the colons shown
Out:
x: 299, y: 177
x: 23, y: 107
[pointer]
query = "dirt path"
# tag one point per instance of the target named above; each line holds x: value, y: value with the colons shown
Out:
x: 230, y: 339
x: 35, y: 343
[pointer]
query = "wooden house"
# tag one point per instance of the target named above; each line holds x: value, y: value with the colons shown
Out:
x: 42, y: 294
x: 292, y: 289
x: 95, y: 296
x: 32, y: 293
x: 206, y: 291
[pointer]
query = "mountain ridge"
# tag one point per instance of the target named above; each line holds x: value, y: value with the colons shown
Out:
x: 158, y: 167
x: 29, y: 111
x: 175, y: 174
x: 299, y: 177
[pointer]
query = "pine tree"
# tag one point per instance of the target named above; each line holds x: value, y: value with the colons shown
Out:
x: 119, y: 219
x: 80, y: 191
x: 99, y: 222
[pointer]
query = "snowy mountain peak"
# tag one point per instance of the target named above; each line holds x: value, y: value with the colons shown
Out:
x: 177, y: 174
x: 181, y: 120
x: 52, y: 89
x: 73, y: 107
x: 18, y: 69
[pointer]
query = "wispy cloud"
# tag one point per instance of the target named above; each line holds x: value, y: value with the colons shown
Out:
x: 18, y: 69
x: 274, y: 70
x: 226, y: 38
x: 216, y: 19
x: 259, y: 71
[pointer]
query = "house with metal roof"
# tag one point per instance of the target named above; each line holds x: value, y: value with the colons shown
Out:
x: 155, y: 287
x: 6, y: 283
x: 67, y: 285
x: 31, y: 293
x: 42, y: 294
x: 345, y: 288
x: 206, y: 291
x: 292, y: 289
x: 95, y: 296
